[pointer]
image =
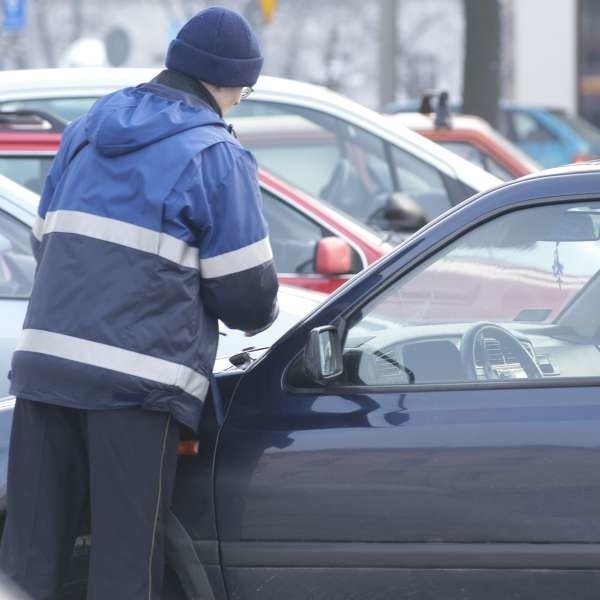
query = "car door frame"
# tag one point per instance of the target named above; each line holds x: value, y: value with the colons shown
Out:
x: 263, y: 390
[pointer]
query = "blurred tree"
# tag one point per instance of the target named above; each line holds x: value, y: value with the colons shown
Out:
x: 481, y: 74
x: 77, y: 8
x: 47, y: 41
x: 388, y: 51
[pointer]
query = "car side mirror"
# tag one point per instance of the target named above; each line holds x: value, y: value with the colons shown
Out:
x: 403, y: 213
x: 323, y: 355
x: 333, y: 256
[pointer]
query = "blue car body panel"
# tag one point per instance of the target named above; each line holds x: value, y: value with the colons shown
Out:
x: 483, y: 492
x: 347, y: 493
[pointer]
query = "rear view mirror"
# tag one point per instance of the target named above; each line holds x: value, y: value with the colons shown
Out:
x: 571, y: 225
x: 403, y: 213
x: 333, y: 256
x: 323, y: 355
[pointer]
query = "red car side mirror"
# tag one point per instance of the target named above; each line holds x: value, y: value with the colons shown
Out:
x: 333, y: 256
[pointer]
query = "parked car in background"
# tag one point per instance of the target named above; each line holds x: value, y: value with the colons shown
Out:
x: 28, y: 142
x: 368, y: 168
x: 550, y: 136
x: 475, y: 140
x: 462, y: 435
x: 314, y: 246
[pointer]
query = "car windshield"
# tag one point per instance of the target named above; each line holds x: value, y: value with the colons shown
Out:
x: 345, y: 166
x: 525, y: 267
x: 584, y: 128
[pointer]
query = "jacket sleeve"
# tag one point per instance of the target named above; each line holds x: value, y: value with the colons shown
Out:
x: 54, y: 174
x: 238, y: 277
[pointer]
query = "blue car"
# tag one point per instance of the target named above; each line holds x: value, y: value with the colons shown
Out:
x: 431, y: 431
x: 550, y: 136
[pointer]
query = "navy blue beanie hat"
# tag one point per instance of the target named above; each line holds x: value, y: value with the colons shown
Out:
x: 217, y: 46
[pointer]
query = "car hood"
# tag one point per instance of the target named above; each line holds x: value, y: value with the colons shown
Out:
x: 294, y: 305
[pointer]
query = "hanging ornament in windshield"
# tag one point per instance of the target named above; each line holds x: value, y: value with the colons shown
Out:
x: 558, y: 269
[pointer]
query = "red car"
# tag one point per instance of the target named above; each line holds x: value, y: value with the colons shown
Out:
x: 314, y: 246
x: 474, y: 139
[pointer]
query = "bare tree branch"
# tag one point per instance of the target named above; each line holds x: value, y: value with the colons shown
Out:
x: 481, y: 79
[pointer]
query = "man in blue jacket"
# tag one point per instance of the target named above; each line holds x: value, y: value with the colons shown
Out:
x: 150, y: 229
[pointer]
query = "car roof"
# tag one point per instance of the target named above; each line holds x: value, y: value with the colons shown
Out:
x: 45, y: 83
x: 417, y: 120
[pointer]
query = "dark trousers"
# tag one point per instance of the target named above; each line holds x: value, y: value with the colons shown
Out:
x: 123, y: 462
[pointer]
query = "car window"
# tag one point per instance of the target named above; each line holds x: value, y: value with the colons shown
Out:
x: 323, y: 156
x: 421, y: 182
x: 294, y: 237
x: 589, y: 132
x: 527, y: 129
x: 495, y: 168
x: 29, y: 171
x: 65, y: 108
x: 17, y: 264
x: 514, y: 298
x: 479, y: 158
x: 466, y: 150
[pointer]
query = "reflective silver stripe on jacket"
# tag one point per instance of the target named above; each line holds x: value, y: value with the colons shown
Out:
x: 116, y: 359
x: 154, y: 242
x: 237, y: 260
x: 118, y: 232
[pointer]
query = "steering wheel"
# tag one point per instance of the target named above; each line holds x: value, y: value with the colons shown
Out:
x: 473, y: 338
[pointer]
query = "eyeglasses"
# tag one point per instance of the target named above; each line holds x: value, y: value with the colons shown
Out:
x: 246, y: 91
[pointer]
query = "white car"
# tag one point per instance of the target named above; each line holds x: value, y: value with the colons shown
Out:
x: 359, y: 161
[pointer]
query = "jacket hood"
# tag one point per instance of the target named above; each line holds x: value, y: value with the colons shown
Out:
x: 130, y: 119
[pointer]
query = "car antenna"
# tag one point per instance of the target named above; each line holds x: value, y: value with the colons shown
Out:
x: 442, y: 113
x: 426, y: 108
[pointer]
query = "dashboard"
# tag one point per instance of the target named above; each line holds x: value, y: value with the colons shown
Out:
x: 433, y: 354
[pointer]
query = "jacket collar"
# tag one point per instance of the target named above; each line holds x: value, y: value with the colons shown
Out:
x: 184, y: 83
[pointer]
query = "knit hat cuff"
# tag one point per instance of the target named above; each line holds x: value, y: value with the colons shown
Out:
x: 218, y: 70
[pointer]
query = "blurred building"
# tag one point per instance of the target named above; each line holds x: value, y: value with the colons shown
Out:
x: 550, y: 49
x: 588, y: 60
x: 334, y: 43
x: 545, y: 53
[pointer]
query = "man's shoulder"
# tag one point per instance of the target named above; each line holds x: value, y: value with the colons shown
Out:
x: 224, y: 149
x: 219, y: 163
